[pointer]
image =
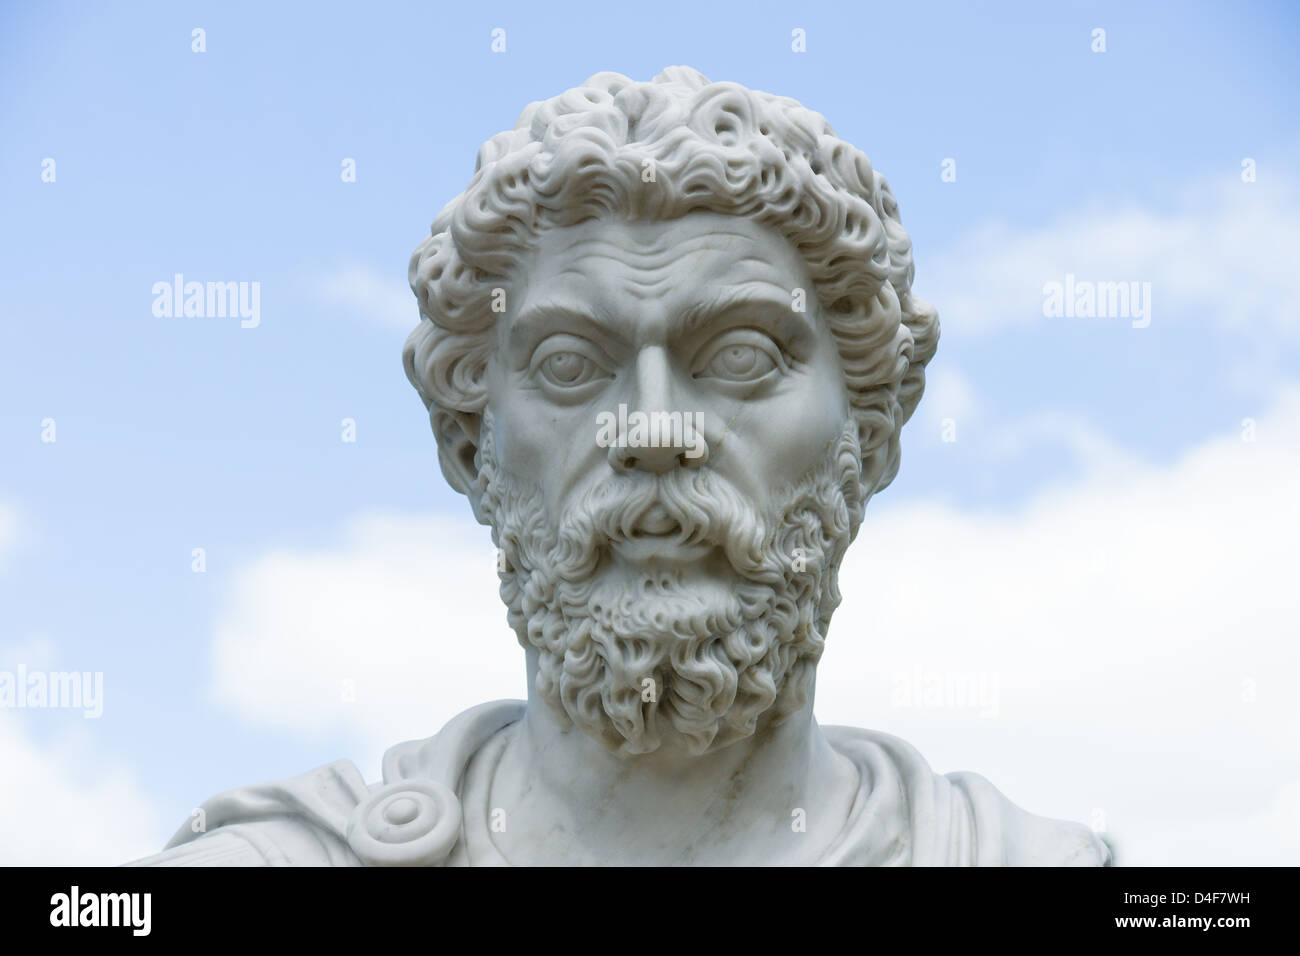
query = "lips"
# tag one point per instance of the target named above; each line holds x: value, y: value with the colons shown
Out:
x: 656, y: 536
x: 655, y: 522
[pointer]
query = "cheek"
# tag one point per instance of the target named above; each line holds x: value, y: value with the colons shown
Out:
x: 799, y: 432
x: 776, y: 441
x: 810, y: 417
x: 539, y: 445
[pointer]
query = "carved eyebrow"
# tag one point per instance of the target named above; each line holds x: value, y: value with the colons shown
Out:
x: 762, y: 299
x: 561, y: 309
x: 531, y: 324
x: 763, y: 303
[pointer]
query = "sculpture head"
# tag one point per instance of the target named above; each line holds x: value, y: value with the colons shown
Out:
x: 667, y: 345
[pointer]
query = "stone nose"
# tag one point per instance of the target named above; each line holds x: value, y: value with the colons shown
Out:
x: 655, y: 433
x: 655, y: 459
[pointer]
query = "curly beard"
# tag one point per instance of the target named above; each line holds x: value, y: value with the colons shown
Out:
x: 712, y: 656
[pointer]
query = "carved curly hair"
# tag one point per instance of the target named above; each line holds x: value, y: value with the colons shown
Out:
x: 718, y: 147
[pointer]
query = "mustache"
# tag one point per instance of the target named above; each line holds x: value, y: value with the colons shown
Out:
x: 705, y: 508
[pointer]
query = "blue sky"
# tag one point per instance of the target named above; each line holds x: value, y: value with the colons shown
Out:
x: 181, y: 433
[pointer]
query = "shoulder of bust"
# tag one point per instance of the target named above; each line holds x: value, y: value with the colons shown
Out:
x: 1007, y: 835
x: 283, y: 841
x: 961, y: 818
x: 298, y: 821
x: 330, y: 816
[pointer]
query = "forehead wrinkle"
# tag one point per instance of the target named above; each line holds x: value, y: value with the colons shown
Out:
x: 640, y: 277
x: 663, y: 251
x: 665, y: 239
x: 684, y: 281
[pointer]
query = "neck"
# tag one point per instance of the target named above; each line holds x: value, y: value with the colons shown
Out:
x: 780, y: 796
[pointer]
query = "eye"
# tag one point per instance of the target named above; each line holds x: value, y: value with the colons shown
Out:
x: 743, y: 357
x: 569, y: 369
x: 741, y: 363
x: 566, y: 363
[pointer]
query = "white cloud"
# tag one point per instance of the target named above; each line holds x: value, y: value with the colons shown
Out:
x: 377, y: 298
x: 1269, y: 836
x: 1136, y: 629
x: 60, y: 803
x: 403, y: 615
x: 55, y: 810
x: 1225, y: 255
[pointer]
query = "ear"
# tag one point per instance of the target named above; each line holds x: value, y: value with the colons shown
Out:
x: 457, y: 436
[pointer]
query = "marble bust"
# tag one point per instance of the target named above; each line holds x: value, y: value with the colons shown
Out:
x: 667, y: 344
